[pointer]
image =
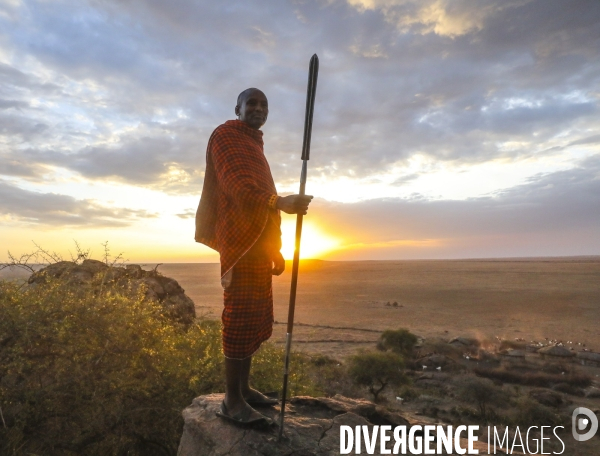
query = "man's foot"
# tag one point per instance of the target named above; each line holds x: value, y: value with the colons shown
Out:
x: 256, y: 398
x: 245, y: 416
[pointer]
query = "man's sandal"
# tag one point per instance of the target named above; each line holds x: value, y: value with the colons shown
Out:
x: 268, y: 399
x: 243, y: 417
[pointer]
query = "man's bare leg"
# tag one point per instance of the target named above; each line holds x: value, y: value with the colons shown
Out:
x: 234, y: 401
x: 236, y: 375
x: 245, y: 376
x: 247, y: 392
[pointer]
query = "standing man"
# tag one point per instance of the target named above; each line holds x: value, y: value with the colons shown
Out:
x: 239, y: 217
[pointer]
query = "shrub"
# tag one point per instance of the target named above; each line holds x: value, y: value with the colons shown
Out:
x: 569, y: 389
x: 482, y: 393
x: 408, y: 393
x: 400, y: 341
x: 531, y: 413
x: 105, y: 373
x: 267, y: 372
x: 442, y: 347
x: 376, y: 370
x: 539, y: 379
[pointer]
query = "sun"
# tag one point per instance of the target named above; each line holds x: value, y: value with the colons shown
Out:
x: 314, y: 242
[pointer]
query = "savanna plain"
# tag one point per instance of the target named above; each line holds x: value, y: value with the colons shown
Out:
x: 472, y: 337
x: 343, y: 305
x: 504, y: 310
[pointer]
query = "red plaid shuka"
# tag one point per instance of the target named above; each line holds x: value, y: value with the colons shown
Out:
x: 234, y: 206
x: 248, y: 314
x: 235, y: 219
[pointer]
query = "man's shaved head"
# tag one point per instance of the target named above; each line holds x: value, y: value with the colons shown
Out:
x: 252, y: 107
x: 245, y: 94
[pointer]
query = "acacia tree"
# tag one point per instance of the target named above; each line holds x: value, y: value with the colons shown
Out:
x: 400, y: 341
x: 482, y: 393
x: 376, y: 370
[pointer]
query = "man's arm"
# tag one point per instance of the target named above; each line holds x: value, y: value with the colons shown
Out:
x: 278, y: 264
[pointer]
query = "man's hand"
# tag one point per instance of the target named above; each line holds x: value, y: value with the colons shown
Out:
x: 278, y: 264
x: 294, y: 204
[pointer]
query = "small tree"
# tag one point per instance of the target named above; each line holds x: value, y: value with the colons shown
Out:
x: 482, y: 393
x: 376, y: 370
x: 400, y: 341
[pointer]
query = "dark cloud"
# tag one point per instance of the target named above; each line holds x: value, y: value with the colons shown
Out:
x: 19, y: 167
x: 394, y: 81
x: 16, y: 125
x: 52, y: 209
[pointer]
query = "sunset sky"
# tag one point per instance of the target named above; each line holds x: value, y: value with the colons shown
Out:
x: 442, y: 129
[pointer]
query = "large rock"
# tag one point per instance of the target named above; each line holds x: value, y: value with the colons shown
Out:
x: 312, y: 428
x: 93, y: 275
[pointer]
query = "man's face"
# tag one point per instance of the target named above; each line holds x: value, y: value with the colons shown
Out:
x: 254, y: 109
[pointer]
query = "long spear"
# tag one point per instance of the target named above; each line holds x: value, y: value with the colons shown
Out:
x: 313, y: 72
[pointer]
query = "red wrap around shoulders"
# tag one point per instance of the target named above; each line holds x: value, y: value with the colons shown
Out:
x: 238, y: 184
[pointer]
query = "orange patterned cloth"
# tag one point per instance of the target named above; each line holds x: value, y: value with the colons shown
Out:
x: 238, y: 191
x: 248, y: 313
x: 237, y: 216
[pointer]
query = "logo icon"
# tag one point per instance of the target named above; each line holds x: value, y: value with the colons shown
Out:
x: 580, y: 423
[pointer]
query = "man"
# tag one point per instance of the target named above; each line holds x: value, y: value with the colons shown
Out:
x: 239, y: 217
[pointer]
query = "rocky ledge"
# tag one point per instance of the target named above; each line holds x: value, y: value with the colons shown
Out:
x: 94, y: 275
x: 312, y: 428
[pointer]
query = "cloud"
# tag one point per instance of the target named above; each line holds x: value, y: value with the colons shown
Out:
x: 20, y: 167
x: 54, y: 210
x: 131, y: 91
x: 443, y: 17
x: 188, y: 214
x: 552, y: 214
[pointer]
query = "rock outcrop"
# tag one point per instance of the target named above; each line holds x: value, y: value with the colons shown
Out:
x: 94, y: 275
x: 312, y: 428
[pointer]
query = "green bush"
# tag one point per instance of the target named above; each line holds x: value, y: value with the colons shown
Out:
x: 267, y: 372
x: 400, y: 341
x: 535, y: 378
x: 330, y: 377
x: 84, y: 373
x: 376, y: 370
x: 482, y: 393
x: 531, y: 413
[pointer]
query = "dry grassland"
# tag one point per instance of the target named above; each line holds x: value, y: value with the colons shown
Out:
x: 532, y: 299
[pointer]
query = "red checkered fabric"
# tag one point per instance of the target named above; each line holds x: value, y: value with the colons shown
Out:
x: 238, y: 186
x: 248, y: 314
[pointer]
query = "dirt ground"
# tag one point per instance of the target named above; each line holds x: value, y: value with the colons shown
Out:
x: 341, y: 306
x: 531, y: 299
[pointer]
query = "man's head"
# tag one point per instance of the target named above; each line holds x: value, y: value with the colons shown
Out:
x: 252, y: 107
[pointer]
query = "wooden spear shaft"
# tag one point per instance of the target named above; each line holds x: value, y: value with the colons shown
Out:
x: 313, y: 72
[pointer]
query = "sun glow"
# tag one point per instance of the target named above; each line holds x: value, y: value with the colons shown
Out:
x: 314, y: 242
